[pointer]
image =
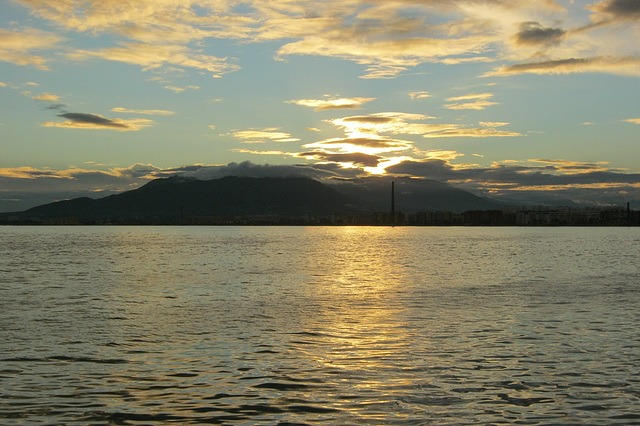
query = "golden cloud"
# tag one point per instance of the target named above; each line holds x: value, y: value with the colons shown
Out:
x: 365, y: 145
x: 14, y: 46
x: 150, y: 56
x: 472, y: 133
x: 386, y: 58
x: 632, y: 120
x: 46, y: 97
x: 28, y: 173
x: 386, y: 37
x: 330, y: 104
x: 480, y: 99
x: 477, y: 105
x: 249, y: 151
x: 470, y: 97
x: 258, y: 136
x: 493, y: 124
x: 419, y: 95
x: 143, y: 111
x: 387, y: 122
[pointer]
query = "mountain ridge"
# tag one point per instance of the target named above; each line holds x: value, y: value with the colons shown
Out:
x: 175, y: 198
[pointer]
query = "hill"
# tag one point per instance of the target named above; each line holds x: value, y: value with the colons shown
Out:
x: 175, y: 199
x: 170, y: 199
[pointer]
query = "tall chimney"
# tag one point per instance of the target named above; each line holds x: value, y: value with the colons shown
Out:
x: 393, y: 203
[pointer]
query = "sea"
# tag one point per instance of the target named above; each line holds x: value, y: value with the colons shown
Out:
x: 319, y: 325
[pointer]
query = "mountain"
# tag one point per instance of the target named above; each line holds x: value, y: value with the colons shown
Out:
x: 171, y: 200
x: 412, y: 195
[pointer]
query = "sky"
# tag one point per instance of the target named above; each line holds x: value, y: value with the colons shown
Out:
x: 521, y: 101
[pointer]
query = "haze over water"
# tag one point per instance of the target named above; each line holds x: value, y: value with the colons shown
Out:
x: 363, y: 325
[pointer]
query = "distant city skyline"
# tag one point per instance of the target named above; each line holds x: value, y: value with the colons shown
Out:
x: 520, y: 101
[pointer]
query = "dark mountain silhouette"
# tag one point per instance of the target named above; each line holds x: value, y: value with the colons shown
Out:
x: 414, y: 195
x: 173, y: 199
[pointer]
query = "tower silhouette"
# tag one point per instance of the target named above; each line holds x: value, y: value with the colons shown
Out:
x: 393, y: 203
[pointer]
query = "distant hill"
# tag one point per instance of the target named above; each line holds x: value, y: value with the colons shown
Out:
x: 172, y: 199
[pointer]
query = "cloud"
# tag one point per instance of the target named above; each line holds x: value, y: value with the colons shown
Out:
x: 386, y: 38
x: 181, y: 89
x: 46, y: 97
x: 334, y: 103
x: 364, y: 145
x: 354, y: 158
x: 614, y: 65
x: 29, y: 186
x: 249, y: 169
x: 152, y: 56
x: 524, y: 182
x: 472, y: 133
x: 385, y: 58
x: 471, y: 96
x: 535, y: 180
x: 480, y: 101
x: 534, y: 34
x: 143, y: 111
x: 477, y: 105
x: 493, y: 124
x: 258, y: 136
x: 617, y: 9
x: 15, y: 45
x: 419, y: 95
x: 386, y: 122
x: 76, y: 120
x: 632, y: 120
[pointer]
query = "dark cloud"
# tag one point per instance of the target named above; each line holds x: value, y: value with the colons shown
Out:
x: 366, y: 119
x: 383, y: 144
x: 57, y: 107
x: 249, y: 169
x: 532, y: 33
x: 517, y: 174
x: 559, y: 66
x: 624, y: 9
x: 79, y: 117
x: 365, y: 160
x: 543, y: 181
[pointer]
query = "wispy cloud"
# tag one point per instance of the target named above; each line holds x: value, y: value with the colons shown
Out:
x: 42, y: 96
x: 181, y: 89
x: 151, y: 56
x: 259, y: 136
x: 632, y: 120
x: 386, y: 38
x: 143, y: 111
x: 15, y: 46
x: 480, y: 101
x: 614, y: 65
x: 419, y: 95
x: 332, y: 103
x: 472, y: 133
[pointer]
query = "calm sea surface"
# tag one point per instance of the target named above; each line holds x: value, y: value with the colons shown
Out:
x: 340, y: 325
